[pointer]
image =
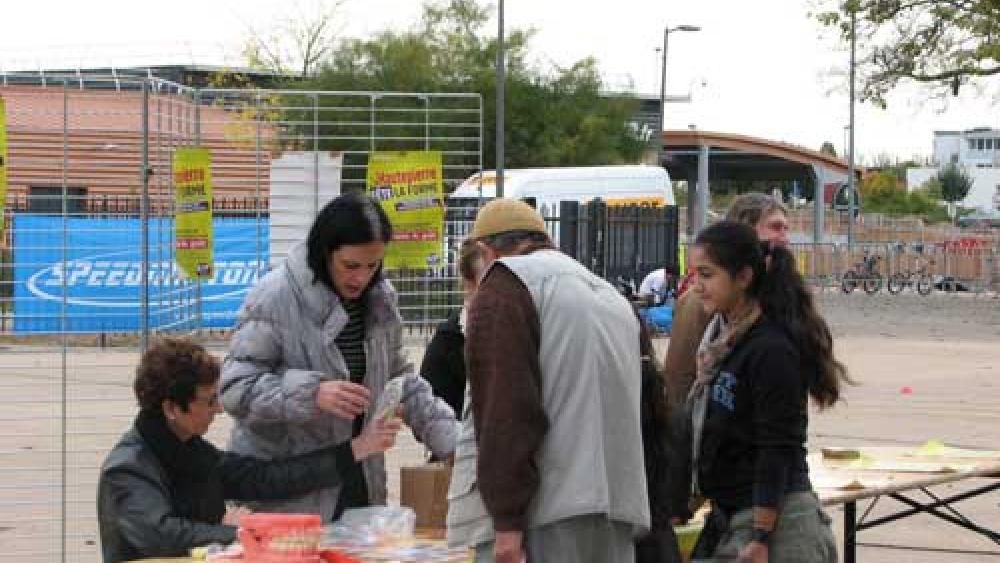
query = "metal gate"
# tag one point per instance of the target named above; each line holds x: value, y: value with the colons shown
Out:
x: 90, y: 208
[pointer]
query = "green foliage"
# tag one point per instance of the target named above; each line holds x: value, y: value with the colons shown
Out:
x: 955, y: 183
x: 933, y: 190
x: 828, y: 148
x: 884, y: 192
x: 680, y: 193
x: 943, y: 44
x: 880, y: 185
x: 553, y: 118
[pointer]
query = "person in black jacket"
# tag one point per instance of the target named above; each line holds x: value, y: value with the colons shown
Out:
x: 163, y: 488
x: 764, y: 353
x: 443, y: 365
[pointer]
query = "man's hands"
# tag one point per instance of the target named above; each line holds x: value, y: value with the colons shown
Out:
x: 234, y: 514
x: 753, y: 552
x: 508, y: 547
x: 343, y: 399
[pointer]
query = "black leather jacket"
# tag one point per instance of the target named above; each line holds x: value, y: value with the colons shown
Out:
x: 142, y: 513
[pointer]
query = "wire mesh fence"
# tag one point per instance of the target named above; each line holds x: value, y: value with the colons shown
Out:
x: 88, y: 274
x: 88, y: 271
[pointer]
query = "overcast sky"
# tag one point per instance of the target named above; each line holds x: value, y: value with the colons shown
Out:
x: 760, y: 68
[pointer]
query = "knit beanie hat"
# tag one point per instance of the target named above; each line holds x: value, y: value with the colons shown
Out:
x: 505, y: 215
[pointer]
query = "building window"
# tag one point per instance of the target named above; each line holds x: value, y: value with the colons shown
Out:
x: 989, y: 144
x: 972, y: 144
x: 981, y: 144
x: 48, y: 200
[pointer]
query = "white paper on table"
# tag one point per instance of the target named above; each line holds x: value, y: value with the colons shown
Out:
x: 848, y: 481
x: 936, y: 448
x: 917, y: 466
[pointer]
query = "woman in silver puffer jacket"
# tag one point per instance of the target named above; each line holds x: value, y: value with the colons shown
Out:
x: 315, y: 343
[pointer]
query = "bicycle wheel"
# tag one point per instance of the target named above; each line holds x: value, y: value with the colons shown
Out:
x: 849, y: 281
x: 925, y: 285
x: 872, y: 284
x: 896, y: 283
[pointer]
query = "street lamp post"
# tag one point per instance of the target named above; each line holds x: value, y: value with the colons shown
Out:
x: 663, y: 85
x: 851, y: 184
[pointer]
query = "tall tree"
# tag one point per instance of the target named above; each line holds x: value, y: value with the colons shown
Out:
x: 943, y: 44
x: 955, y: 183
x: 828, y: 148
x: 555, y: 116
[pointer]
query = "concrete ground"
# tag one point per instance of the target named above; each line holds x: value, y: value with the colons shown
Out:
x: 945, y: 348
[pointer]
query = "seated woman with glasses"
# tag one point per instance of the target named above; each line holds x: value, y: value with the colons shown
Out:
x: 163, y: 488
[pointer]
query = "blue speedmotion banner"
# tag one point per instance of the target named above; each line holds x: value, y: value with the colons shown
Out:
x: 95, y: 284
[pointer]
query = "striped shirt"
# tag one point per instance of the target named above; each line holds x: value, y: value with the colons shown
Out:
x: 351, y: 340
x: 351, y: 343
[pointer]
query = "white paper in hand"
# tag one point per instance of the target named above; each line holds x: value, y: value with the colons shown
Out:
x: 389, y: 401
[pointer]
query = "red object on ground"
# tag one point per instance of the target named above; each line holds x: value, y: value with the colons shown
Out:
x: 281, y: 538
x: 907, y: 390
x: 334, y: 556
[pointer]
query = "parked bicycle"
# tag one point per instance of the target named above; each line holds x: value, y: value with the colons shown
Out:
x: 921, y: 280
x: 865, y: 274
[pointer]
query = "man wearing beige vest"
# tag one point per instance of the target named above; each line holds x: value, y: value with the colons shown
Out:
x: 549, y: 465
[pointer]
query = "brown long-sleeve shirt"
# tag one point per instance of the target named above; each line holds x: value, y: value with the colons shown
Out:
x: 680, y: 363
x: 501, y: 350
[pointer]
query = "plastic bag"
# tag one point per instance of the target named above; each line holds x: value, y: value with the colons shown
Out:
x: 361, y: 527
x: 661, y: 318
x: 390, y: 398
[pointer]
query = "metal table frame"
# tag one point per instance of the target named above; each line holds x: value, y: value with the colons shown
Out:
x: 936, y: 506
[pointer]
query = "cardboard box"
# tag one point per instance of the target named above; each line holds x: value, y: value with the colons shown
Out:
x: 425, y: 489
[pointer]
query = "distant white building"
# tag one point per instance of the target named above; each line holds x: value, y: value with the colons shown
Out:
x: 977, y: 151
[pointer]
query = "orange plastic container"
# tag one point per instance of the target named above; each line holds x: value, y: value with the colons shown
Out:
x: 281, y: 538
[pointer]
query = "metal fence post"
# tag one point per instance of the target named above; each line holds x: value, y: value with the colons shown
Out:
x: 597, y: 236
x: 671, y: 216
x: 569, y: 225
x: 315, y: 98
x: 64, y: 329
x: 259, y: 264
x: 197, y: 142
x: 144, y: 229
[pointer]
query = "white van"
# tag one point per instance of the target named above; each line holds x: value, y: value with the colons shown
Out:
x: 546, y: 187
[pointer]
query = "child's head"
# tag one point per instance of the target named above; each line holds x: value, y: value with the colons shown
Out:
x: 731, y: 265
x: 734, y: 268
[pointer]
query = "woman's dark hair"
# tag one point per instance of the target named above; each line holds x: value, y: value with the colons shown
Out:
x: 173, y: 368
x: 783, y: 298
x: 352, y: 218
x: 656, y: 430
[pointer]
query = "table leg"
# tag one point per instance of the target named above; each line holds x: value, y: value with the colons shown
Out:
x: 850, y: 531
